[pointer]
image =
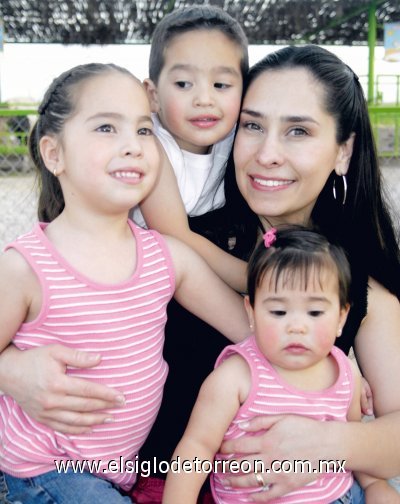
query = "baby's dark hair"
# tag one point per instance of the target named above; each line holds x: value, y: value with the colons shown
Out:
x: 298, y: 250
x: 58, y: 105
x: 195, y: 17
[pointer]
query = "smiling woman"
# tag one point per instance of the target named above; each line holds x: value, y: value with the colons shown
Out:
x: 285, y: 150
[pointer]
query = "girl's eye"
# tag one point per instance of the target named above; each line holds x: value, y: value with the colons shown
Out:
x: 183, y: 84
x: 316, y: 313
x: 251, y: 126
x: 106, y: 128
x: 221, y: 85
x: 278, y: 313
x: 145, y: 131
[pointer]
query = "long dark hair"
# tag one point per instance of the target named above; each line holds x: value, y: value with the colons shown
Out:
x: 363, y: 225
x: 57, y: 107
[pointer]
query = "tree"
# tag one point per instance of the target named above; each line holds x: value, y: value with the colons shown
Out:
x: 119, y: 21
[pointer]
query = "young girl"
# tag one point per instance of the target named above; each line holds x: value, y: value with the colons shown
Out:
x: 89, y: 278
x: 297, y: 303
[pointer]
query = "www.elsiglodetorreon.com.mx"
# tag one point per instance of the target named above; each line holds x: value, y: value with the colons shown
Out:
x: 147, y: 467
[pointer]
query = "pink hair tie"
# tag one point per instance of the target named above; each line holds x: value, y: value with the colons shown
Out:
x: 269, y: 237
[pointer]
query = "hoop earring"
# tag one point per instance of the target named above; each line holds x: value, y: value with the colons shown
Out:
x: 344, y: 188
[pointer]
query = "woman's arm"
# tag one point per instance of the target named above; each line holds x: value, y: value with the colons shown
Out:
x: 372, y: 447
x: 377, y: 491
x: 37, y: 380
x: 164, y: 211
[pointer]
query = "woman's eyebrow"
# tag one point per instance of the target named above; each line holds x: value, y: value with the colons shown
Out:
x: 252, y: 113
x: 299, y: 118
x: 289, y: 118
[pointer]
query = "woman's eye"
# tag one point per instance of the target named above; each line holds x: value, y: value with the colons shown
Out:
x: 183, y: 84
x: 106, y: 128
x: 298, y: 132
x: 251, y: 126
x: 145, y: 131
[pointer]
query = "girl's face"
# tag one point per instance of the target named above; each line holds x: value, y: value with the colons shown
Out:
x: 296, y: 324
x: 286, y: 148
x: 107, y: 157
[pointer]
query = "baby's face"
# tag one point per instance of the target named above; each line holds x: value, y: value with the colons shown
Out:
x: 296, y: 320
x: 199, y: 90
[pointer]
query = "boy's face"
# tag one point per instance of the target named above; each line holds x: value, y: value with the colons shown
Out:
x: 199, y: 90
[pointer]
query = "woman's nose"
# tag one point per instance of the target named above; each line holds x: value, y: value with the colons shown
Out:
x: 270, y: 152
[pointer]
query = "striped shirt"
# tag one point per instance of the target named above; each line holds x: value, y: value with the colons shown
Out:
x: 270, y: 394
x: 125, y: 324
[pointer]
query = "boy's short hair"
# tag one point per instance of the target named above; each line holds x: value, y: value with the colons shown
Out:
x: 191, y: 18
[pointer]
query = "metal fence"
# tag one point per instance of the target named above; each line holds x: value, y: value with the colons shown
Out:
x: 18, y: 194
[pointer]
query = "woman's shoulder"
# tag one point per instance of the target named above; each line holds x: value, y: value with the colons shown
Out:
x: 380, y: 299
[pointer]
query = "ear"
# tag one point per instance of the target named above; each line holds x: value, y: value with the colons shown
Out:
x: 344, y: 311
x: 51, y: 154
x: 152, y: 95
x: 250, y: 311
x: 344, y: 155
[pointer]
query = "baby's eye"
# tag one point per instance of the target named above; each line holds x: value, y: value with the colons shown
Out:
x: 106, y: 128
x: 221, y: 85
x: 183, y: 84
x: 145, y: 131
x: 278, y: 313
x: 315, y: 313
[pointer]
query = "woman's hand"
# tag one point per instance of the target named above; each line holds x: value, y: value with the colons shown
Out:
x: 367, y: 405
x: 37, y: 380
x: 287, y: 439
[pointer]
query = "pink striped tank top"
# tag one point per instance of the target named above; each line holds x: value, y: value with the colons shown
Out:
x: 125, y: 323
x: 271, y: 395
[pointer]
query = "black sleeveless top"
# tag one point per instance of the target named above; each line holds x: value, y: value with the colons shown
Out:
x: 192, y: 347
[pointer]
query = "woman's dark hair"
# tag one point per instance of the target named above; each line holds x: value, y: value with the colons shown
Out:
x: 363, y: 225
x: 58, y: 105
x: 194, y: 17
x: 298, y: 251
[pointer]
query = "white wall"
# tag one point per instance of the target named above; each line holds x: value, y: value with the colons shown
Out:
x: 26, y: 70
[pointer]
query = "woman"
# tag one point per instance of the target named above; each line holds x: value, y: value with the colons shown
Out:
x: 305, y: 154
x: 303, y: 128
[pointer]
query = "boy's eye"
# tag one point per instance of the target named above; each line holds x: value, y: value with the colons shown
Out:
x: 221, y: 85
x: 315, y: 313
x: 145, y: 131
x: 106, y: 128
x: 183, y: 84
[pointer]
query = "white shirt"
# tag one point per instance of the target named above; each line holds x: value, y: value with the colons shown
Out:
x: 199, y: 176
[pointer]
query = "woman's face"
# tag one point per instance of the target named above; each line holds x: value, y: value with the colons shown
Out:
x: 286, y: 148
